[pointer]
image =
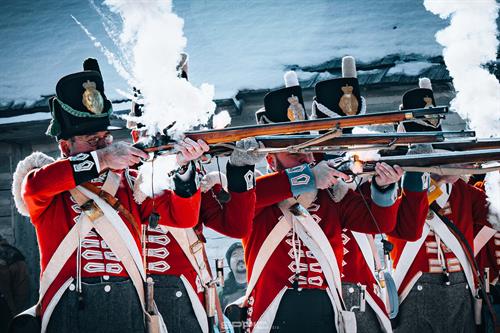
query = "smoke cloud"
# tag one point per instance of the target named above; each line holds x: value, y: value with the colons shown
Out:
x: 469, y: 42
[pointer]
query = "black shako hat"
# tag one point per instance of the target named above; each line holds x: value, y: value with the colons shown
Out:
x: 421, y: 97
x: 283, y: 105
x: 80, y: 106
x: 340, y: 96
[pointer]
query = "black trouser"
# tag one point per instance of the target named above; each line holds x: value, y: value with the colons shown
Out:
x: 433, y: 306
x: 367, y: 321
x: 309, y: 310
x: 174, y: 304
x: 115, y: 308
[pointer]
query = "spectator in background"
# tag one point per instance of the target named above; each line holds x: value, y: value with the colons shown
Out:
x: 235, y: 284
x: 14, y: 283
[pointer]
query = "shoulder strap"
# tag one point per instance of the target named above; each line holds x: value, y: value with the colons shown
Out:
x: 107, y: 193
x: 62, y: 254
x: 482, y: 237
x: 193, y: 248
x: 407, y: 257
x: 315, y: 239
x: 267, y: 248
x: 70, y: 241
x: 365, y: 242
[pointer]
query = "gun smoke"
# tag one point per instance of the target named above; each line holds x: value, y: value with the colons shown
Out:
x: 469, y: 42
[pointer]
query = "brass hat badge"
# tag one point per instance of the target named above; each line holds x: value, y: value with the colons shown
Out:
x: 92, y: 98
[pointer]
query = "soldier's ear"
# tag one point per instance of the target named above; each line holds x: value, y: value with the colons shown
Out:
x: 272, y: 161
x: 65, y: 147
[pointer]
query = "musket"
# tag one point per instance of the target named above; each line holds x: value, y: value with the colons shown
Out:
x: 298, y: 143
x: 465, y: 145
x: 445, y: 161
x: 233, y: 134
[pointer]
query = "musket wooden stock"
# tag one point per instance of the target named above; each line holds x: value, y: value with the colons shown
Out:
x: 233, y: 134
x: 429, y: 160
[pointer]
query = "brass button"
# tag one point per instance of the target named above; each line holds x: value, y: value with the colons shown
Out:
x: 430, y: 215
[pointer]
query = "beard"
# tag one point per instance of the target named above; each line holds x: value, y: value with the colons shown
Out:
x: 240, y: 267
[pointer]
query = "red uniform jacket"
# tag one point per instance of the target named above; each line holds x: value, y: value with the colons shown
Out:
x: 489, y: 255
x: 467, y: 209
x: 350, y: 213
x: 412, y: 212
x: 53, y: 213
x: 232, y: 219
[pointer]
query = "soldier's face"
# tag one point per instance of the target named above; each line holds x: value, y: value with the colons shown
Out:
x: 282, y: 161
x: 236, y: 261
x: 85, y: 143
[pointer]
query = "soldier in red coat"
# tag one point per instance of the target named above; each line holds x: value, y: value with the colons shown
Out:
x: 294, y: 251
x: 435, y: 280
x: 87, y: 222
x: 176, y: 259
x: 363, y: 274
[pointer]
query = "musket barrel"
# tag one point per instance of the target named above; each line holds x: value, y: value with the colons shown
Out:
x: 469, y: 145
x: 435, y: 159
x: 233, y: 134
x: 354, y: 139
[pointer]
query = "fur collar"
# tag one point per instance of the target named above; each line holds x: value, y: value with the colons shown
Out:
x: 34, y: 161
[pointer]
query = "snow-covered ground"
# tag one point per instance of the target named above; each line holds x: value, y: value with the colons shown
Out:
x: 233, y: 44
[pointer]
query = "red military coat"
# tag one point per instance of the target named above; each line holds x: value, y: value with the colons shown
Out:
x: 232, y: 219
x: 53, y: 213
x: 487, y: 255
x: 412, y: 211
x: 467, y: 210
x: 332, y: 217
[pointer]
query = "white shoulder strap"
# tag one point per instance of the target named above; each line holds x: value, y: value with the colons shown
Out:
x: 70, y: 242
x: 408, y: 256
x: 267, y: 248
x: 193, y: 249
x: 121, y: 229
x: 482, y: 237
x: 366, y: 249
x: 62, y: 254
x: 315, y: 239
x: 317, y: 242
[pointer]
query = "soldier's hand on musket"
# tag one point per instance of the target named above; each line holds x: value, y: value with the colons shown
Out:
x: 325, y: 175
x: 189, y: 150
x: 386, y: 175
x: 244, y: 153
x: 119, y: 155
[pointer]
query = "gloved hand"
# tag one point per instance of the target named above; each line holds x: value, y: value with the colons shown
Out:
x: 240, y: 158
x: 211, y: 179
x: 326, y: 176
